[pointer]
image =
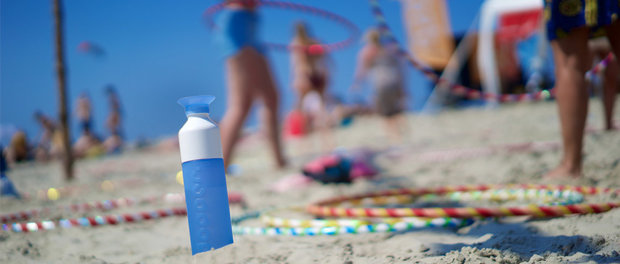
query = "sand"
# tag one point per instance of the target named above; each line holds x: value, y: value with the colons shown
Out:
x: 575, y: 239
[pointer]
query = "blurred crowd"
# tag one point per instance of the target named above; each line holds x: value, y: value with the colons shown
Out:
x: 48, y: 144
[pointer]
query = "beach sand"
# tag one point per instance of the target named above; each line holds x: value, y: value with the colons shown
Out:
x: 586, y: 238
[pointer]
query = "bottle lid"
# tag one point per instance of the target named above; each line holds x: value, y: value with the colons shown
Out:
x: 198, y: 104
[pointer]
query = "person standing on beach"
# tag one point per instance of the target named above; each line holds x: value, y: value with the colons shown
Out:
x: 114, y: 142
x: 569, y: 25
x: 310, y: 78
x: 249, y: 78
x: 600, y: 48
x: 83, y: 111
x: 385, y: 66
x: 309, y: 65
x: 88, y: 144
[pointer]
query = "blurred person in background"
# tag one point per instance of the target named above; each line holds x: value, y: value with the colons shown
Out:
x: 385, y: 66
x: 83, y: 112
x: 600, y: 48
x: 19, y: 149
x: 310, y: 80
x: 310, y: 71
x: 114, y: 141
x: 88, y: 144
x: 49, y: 144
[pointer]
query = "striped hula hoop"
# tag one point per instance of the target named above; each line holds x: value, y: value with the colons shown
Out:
x: 106, y: 205
x: 93, y: 221
x: 352, y: 28
x: 343, y: 227
x: 499, y: 195
x: 333, y: 207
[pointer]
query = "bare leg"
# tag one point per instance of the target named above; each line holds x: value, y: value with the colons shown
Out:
x: 571, y: 61
x: 394, y: 128
x: 240, y: 97
x: 609, y: 93
x: 611, y: 74
x: 269, y: 114
x: 323, y: 122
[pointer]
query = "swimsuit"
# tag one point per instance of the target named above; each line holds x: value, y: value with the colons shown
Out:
x: 238, y: 29
x: 564, y: 15
x: 85, y: 124
x: 317, y: 80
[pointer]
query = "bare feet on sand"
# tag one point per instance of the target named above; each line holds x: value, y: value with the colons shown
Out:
x: 282, y: 163
x: 563, y: 171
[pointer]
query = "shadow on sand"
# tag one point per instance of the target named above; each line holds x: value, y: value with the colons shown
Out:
x: 526, y: 242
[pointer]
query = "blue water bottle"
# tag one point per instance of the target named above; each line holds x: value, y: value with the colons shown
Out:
x: 204, y: 177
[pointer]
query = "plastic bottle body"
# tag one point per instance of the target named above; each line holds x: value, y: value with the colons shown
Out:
x: 204, y: 180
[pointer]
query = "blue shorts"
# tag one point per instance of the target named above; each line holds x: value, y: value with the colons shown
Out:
x: 237, y: 30
x: 562, y: 16
x: 85, y: 124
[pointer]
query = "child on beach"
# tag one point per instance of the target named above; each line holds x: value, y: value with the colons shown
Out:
x: 248, y: 76
x: 386, y: 69
x: 569, y: 25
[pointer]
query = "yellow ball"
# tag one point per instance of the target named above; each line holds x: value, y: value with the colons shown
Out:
x: 180, y: 177
x: 53, y: 194
x: 107, y: 186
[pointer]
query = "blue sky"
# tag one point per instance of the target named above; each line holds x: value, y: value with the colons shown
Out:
x: 158, y: 51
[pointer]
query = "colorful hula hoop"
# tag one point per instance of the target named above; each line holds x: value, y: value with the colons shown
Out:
x: 455, y: 88
x: 600, y: 66
x: 352, y: 28
x: 333, y: 208
x: 396, y: 225
x: 270, y: 220
x: 543, y: 196
x: 305, y: 227
x: 106, y: 205
x: 93, y: 221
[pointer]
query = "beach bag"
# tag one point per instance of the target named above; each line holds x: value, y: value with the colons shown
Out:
x: 335, y: 168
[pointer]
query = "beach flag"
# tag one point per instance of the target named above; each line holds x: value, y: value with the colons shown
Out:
x: 429, y: 34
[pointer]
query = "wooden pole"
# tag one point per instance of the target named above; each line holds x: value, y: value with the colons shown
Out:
x: 63, y: 117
